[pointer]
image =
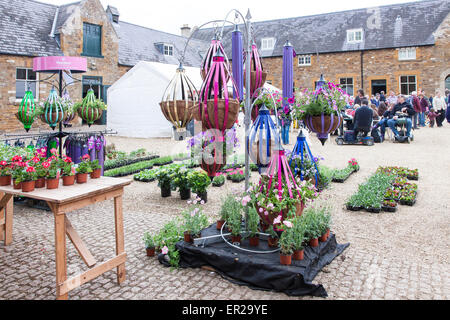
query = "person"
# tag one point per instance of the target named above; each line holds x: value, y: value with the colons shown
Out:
x: 285, y: 124
x: 417, y: 109
x: 385, y: 113
x: 439, y: 106
x: 423, y: 108
x: 382, y: 96
x: 432, y: 117
x: 363, y: 119
x: 392, y: 99
x: 375, y: 112
x: 401, y: 106
x: 447, y: 114
x: 382, y: 109
x: 374, y: 101
x: 360, y: 97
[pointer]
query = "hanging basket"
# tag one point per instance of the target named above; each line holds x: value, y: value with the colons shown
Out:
x: 179, y: 100
x: 217, y: 115
x: 69, y: 106
x: 323, y: 125
x: 216, y: 46
x: 89, y: 110
x: 27, y: 111
x: 257, y: 74
x: 53, y: 112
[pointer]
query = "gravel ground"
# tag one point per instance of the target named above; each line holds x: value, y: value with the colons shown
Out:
x: 403, y: 255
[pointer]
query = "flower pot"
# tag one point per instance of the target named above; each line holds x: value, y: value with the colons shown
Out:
x: 5, y: 181
x: 40, y: 183
x: 188, y: 237
x: 236, y: 239
x: 314, y: 242
x: 68, y: 180
x: 285, y: 260
x: 52, y: 184
x: 96, y: 174
x: 203, y: 196
x: 150, y: 252
x: 166, y: 191
x: 17, y: 186
x: 219, y: 224
x: 328, y: 233
x: 185, y: 194
x: 82, y: 178
x: 28, y: 186
x: 298, y: 255
x: 272, y: 242
x: 254, y: 241
x: 323, y: 238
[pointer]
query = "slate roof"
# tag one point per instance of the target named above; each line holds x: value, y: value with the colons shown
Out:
x: 134, y: 46
x: 401, y: 25
x: 25, y: 28
x: 64, y: 13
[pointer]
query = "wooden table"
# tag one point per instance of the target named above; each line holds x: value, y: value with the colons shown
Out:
x: 62, y: 201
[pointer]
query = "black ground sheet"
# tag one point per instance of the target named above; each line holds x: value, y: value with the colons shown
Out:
x: 261, y: 271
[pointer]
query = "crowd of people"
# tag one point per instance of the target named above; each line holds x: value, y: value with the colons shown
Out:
x: 412, y: 111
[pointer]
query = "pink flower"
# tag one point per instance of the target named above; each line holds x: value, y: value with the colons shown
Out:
x: 261, y: 210
x: 288, y: 224
x: 86, y: 157
x: 246, y: 200
x: 53, y: 151
x: 277, y: 220
x: 3, y: 163
x: 266, y: 213
x: 165, y: 250
x: 46, y: 165
x: 31, y: 169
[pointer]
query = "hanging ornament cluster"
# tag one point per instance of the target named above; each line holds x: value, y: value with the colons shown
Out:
x: 179, y: 100
x: 302, y: 150
x: 257, y: 74
x: 91, y: 108
x: 27, y: 110
x: 68, y: 106
x: 53, y: 111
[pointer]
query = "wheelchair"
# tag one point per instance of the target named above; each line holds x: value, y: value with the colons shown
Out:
x: 401, y: 128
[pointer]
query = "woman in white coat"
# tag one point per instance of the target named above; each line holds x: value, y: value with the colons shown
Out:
x: 439, y: 107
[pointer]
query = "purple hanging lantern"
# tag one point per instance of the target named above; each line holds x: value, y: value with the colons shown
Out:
x: 238, y: 62
x: 216, y: 46
x: 216, y: 108
x: 288, y: 75
x: 257, y: 74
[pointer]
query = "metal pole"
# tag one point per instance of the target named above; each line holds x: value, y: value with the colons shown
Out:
x: 248, y: 103
x: 60, y: 123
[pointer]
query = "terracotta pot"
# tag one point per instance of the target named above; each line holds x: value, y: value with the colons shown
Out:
x: 96, y: 174
x: 150, y: 252
x: 52, y: 184
x: 285, y: 260
x: 323, y: 125
x: 179, y: 115
x: 219, y: 224
x: 18, y: 185
x: 298, y: 255
x: 272, y: 242
x: 28, y: 186
x: 40, y: 183
x: 236, y: 239
x: 188, y: 237
x: 82, y: 178
x: 314, y: 242
x: 5, y: 181
x: 324, y: 237
x: 328, y: 233
x: 254, y: 241
x: 68, y: 180
x: 209, y: 118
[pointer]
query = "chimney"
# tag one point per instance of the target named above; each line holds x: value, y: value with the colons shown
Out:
x: 185, y: 31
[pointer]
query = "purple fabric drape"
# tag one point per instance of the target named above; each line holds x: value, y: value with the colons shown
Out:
x: 288, y: 73
x: 238, y: 63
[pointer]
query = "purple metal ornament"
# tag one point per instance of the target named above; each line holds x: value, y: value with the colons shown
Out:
x: 238, y: 62
x: 288, y: 73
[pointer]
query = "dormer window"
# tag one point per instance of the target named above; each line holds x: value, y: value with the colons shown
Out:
x: 355, y: 35
x: 407, y: 54
x: 267, y: 43
x: 304, y: 60
x: 168, y: 50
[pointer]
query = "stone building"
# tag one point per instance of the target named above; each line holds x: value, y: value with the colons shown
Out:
x: 399, y: 47
x: 29, y: 29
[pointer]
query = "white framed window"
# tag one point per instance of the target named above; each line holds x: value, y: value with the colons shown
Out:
x: 408, y: 84
x: 355, y: 35
x: 267, y: 43
x: 347, y: 85
x: 407, y: 54
x: 26, y: 78
x: 168, y: 50
x: 304, y: 60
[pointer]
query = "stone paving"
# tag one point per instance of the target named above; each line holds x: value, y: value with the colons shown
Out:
x: 391, y: 256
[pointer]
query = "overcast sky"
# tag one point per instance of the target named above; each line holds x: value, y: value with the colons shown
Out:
x: 170, y: 15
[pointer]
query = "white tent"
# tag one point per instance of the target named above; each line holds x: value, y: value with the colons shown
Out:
x: 133, y: 101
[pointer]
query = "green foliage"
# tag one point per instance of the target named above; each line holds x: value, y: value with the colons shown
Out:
x: 179, y: 178
x: 232, y: 208
x: 371, y: 193
x: 130, y: 169
x: 168, y: 236
x: 199, y: 181
x: 95, y: 165
x: 149, y: 240
x: 252, y: 222
x: 84, y: 167
x: 148, y: 175
x: 287, y: 241
x: 218, y: 181
x: 325, y: 177
x: 195, y: 220
x: 299, y: 233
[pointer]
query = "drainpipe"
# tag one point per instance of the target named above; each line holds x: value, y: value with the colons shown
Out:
x: 362, y: 69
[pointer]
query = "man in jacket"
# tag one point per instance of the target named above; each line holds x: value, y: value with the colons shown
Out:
x: 417, y: 109
x: 363, y: 119
x: 423, y: 108
x: 402, y: 106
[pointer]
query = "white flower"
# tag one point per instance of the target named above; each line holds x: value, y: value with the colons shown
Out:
x: 288, y: 224
x: 202, y: 202
x: 165, y: 250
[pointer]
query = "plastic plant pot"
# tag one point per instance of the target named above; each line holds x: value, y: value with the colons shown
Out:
x: 28, y: 186
x: 68, y: 180
x: 52, y: 184
x: 298, y: 255
x: 285, y: 260
x: 82, y: 178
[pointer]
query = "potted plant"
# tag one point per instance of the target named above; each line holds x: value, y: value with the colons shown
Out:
x: 218, y: 181
x: 67, y: 171
x: 312, y: 231
x: 229, y: 204
x: 179, y: 180
x: 252, y: 226
x: 236, y: 176
x: 53, y: 176
x: 5, y: 174
x: 164, y: 182
x: 389, y: 205
x: 286, y: 243
x: 41, y: 171
x: 27, y: 178
x: 83, y: 169
x: 234, y: 223
x: 272, y: 240
x: 199, y: 182
x: 52, y: 110
x: 17, y: 167
x: 96, y: 169
x: 91, y: 108
x: 298, y: 238
x: 353, y: 163
x: 194, y: 222
x: 324, y: 222
x: 149, y: 244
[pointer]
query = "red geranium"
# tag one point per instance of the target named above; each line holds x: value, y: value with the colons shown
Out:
x: 86, y: 157
x: 31, y: 169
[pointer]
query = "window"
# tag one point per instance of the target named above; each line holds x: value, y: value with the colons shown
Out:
x: 25, y: 78
x: 92, y: 40
x: 267, y: 43
x: 304, y: 60
x: 347, y: 85
x: 355, y: 35
x: 407, y: 54
x: 408, y: 84
x: 168, y: 50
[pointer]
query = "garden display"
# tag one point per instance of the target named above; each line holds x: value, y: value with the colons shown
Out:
x: 121, y: 159
x: 342, y: 175
x: 148, y: 175
x: 27, y: 110
x: 218, y: 181
x: 91, y: 108
x: 236, y: 176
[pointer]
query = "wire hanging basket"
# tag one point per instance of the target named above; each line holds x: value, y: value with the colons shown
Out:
x: 68, y: 106
x: 53, y: 111
x: 179, y: 100
x: 257, y: 74
x: 216, y: 46
x: 90, y: 109
x: 27, y: 110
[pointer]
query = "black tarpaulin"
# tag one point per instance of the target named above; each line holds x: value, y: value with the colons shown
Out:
x: 261, y: 271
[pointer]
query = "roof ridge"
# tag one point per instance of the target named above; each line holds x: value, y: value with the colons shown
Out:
x: 45, y: 3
